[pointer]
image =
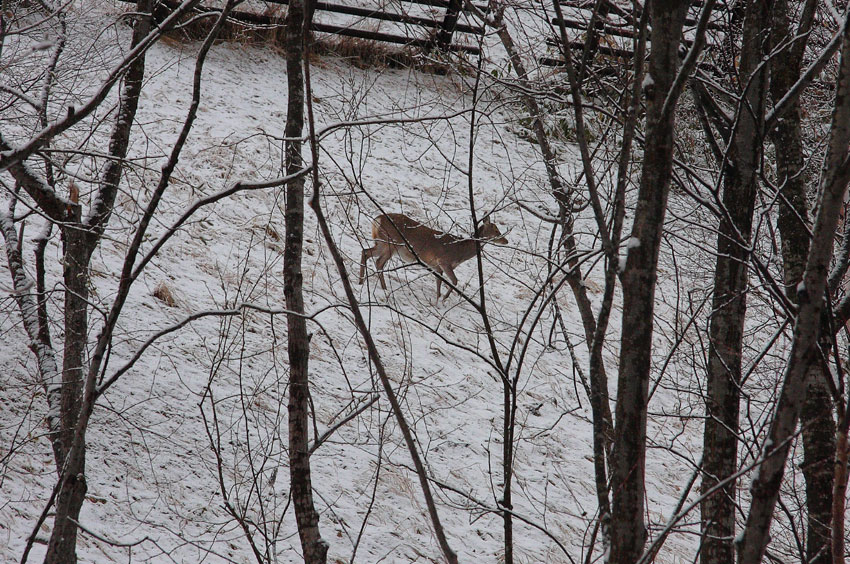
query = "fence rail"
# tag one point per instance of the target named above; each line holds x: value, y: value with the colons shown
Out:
x: 441, y: 36
x: 612, y: 21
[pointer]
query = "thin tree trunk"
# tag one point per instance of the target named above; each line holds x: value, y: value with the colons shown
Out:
x: 61, y: 548
x: 840, y: 473
x: 314, y: 548
x: 729, y: 306
x: 601, y: 411
x: 819, y: 451
x: 811, y: 291
x: 80, y: 238
x: 816, y: 416
x: 562, y: 197
x: 628, y: 533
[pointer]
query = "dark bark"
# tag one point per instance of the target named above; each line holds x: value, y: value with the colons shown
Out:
x: 816, y: 415
x: 80, y: 238
x: 71, y: 469
x: 508, y: 417
x: 628, y: 533
x: 819, y: 451
x: 314, y: 548
x: 841, y: 455
x: 804, y: 346
x: 595, y: 330
x: 729, y: 305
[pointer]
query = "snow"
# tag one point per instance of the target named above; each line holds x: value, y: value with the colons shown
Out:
x: 633, y: 243
x: 151, y: 473
x: 43, y: 45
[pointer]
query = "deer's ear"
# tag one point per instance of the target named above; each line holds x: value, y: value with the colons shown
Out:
x: 486, y: 220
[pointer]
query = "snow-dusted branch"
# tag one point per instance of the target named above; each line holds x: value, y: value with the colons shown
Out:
x: 53, y: 205
x: 45, y: 356
x: 9, y: 156
x: 128, y: 274
x: 21, y: 96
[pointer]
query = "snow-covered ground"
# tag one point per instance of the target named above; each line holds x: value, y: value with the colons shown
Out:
x: 153, y: 478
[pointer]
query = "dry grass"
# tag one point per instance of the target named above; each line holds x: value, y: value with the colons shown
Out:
x: 366, y: 53
x: 272, y: 233
x: 164, y: 294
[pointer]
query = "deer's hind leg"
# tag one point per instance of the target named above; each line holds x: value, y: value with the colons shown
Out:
x: 380, y: 262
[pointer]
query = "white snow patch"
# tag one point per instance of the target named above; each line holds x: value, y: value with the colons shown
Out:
x: 43, y: 45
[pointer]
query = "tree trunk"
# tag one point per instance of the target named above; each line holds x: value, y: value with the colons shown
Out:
x: 816, y: 416
x: 810, y: 293
x: 819, y: 450
x: 298, y: 344
x: 628, y: 533
x: 729, y: 305
x: 80, y: 238
x: 837, y: 546
x: 71, y: 469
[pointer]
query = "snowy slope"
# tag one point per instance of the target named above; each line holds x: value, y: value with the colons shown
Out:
x: 153, y: 478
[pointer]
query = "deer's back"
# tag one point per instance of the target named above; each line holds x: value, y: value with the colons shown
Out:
x: 403, y: 233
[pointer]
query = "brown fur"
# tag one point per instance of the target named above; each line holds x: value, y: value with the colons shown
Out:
x: 397, y: 234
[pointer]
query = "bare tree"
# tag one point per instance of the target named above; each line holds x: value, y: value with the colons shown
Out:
x: 73, y: 390
x: 740, y: 163
x: 664, y: 81
x: 516, y: 350
x: 816, y: 416
x: 315, y: 548
x: 81, y: 236
x: 811, y: 294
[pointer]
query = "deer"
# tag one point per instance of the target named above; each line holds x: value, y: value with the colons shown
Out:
x: 397, y: 234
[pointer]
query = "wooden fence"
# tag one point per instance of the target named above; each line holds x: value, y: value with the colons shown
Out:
x: 613, y: 24
x: 429, y: 32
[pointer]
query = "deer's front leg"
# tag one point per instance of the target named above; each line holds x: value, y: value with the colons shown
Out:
x: 364, y: 257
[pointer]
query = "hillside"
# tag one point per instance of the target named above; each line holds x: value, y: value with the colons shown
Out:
x: 155, y: 485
